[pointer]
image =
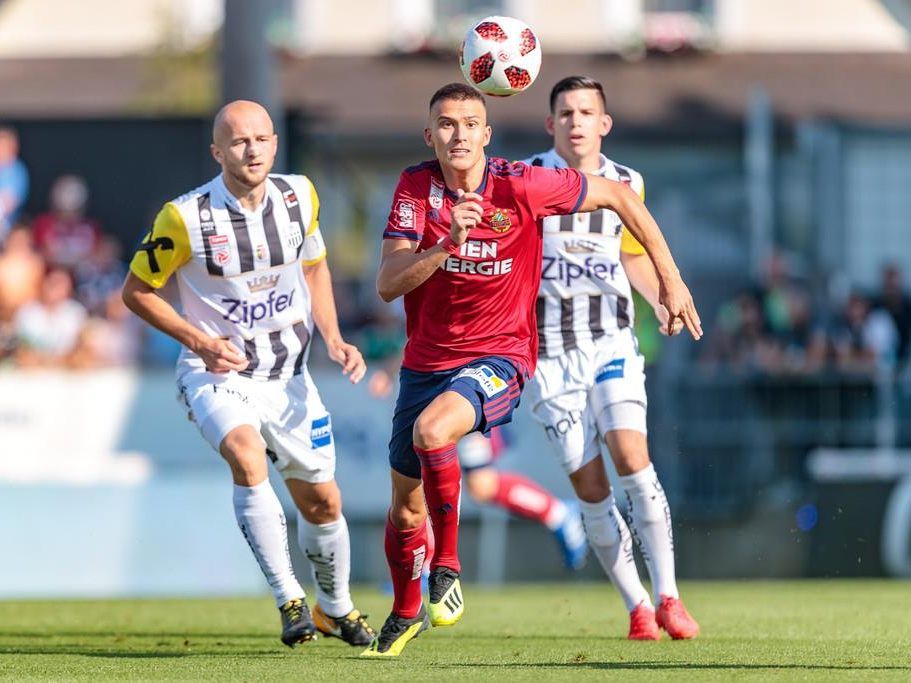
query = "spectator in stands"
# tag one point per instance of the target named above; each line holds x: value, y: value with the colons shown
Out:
x: 741, y: 337
x: 13, y: 180
x: 893, y: 299
x: 783, y: 296
x: 65, y: 235
x: 100, y: 275
x: 113, y: 339
x: 802, y: 341
x: 863, y: 339
x: 21, y: 272
x: 47, y: 330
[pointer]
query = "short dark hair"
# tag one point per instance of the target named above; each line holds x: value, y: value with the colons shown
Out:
x: 457, y: 91
x: 576, y: 83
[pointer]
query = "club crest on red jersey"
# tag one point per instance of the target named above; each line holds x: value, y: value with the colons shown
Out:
x: 499, y: 221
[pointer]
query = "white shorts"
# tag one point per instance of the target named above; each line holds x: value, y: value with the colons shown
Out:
x: 288, y: 414
x: 582, y: 395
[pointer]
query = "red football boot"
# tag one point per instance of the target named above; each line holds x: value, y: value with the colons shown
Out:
x: 642, y: 624
x: 673, y: 618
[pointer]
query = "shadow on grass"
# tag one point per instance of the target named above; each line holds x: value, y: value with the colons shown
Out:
x: 685, y: 666
x: 18, y: 635
x: 143, y: 654
x: 88, y: 651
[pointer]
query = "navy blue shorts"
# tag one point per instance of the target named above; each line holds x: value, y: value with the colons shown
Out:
x: 491, y: 384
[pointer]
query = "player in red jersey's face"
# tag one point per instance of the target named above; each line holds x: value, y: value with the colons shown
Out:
x: 462, y: 245
x: 458, y: 133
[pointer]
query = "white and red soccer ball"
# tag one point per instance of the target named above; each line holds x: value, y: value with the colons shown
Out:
x: 500, y: 56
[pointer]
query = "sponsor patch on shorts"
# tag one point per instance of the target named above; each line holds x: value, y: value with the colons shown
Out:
x: 487, y: 379
x: 321, y: 432
x: 612, y: 370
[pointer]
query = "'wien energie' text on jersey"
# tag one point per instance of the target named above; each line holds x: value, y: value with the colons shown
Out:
x: 482, y: 300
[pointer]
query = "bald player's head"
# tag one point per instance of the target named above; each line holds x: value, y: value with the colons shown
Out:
x: 244, y: 144
x: 239, y: 112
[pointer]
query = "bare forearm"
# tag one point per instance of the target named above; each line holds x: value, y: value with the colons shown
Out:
x: 402, y: 271
x: 158, y: 313
x: 641, y: 275
x: 325, y: 315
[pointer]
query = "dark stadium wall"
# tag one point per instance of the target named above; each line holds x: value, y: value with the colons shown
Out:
x: 132, y: 165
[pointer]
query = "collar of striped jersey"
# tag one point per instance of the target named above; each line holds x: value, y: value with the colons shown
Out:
x: 233, y: 202
x: 550, y: 159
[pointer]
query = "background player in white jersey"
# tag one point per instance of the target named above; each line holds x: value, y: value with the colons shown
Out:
x: 589, y: 387
x: 249, y: 261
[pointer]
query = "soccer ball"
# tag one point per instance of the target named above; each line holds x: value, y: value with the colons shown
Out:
x: 500, y: 56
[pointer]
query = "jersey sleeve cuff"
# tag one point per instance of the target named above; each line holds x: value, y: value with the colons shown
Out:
x: 314, y: 261
x: 148, y: 278
x: 409, y: 235
x: 583, y: 193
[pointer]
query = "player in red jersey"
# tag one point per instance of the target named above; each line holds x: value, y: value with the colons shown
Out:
x: 463, y: 246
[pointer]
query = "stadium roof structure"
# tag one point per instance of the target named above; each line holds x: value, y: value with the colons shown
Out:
x: 363, y: 97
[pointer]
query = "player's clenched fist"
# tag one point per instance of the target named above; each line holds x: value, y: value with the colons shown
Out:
x: 466, y: 214
x: 221, y: 356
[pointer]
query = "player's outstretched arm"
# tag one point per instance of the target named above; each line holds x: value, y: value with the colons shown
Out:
x: 402, y: 267
x: 673, y: 292
x: 219, y: 355
x: 325, y: 317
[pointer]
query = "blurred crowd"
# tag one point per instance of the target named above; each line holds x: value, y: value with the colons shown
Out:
x: 782, y: 325
x: 60, y: 305
x: 60, y: 277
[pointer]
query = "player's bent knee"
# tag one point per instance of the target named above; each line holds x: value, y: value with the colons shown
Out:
x: 322, y: 512
x: 242, y: 442
x: 245, y: 452
x: 319, y: 503
x: 431, y: 431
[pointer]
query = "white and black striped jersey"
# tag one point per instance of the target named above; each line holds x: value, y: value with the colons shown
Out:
x: 584, y: 293
x: 239, y: 272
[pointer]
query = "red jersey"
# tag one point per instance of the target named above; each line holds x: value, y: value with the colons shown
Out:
x: 481, y: 301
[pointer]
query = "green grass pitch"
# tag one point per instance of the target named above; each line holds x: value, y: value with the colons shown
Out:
x: 798, y: 630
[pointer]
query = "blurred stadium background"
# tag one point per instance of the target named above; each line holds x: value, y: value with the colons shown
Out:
x: 775, y: 139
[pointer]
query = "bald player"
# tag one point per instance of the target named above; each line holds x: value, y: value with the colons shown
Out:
x: 250, y: 265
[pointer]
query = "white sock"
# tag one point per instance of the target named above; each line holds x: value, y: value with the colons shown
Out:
x: 612, y: 544
x: 650, y: 518
x: 328, y: 548
x: 262, y: 521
